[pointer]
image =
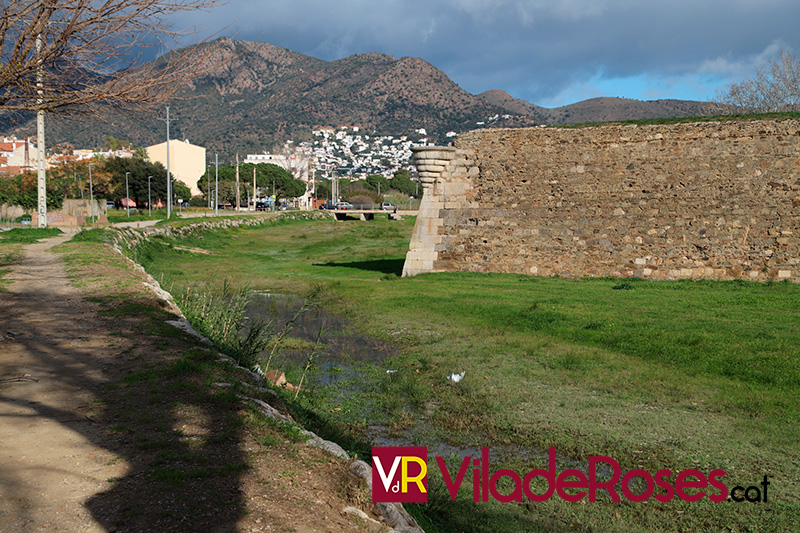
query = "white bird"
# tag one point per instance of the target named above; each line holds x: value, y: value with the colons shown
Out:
x: 455, y: 378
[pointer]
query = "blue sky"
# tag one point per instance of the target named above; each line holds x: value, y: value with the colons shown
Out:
x: 548, y: 52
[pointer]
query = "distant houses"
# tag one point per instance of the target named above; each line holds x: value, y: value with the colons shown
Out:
x: 298, y: 164
x: 18, y: 156
x: 343, y: 152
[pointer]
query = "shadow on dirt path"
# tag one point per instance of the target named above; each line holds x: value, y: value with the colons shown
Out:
x: 91, y: 439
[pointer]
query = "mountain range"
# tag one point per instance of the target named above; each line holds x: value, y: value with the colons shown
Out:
x: 262, y: 95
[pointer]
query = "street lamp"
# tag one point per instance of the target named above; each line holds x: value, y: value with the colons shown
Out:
x: 216, y: 184
x: 127, y: 195
x: 91, y: 192
x: 149, y: 202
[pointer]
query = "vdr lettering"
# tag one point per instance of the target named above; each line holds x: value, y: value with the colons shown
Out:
x: 399, y: 474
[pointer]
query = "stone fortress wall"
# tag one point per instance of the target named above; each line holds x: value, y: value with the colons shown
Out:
x: 717, y: 200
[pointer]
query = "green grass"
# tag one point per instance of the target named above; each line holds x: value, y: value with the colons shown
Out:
x: 27, y: 236
x: 656, y: 374
x: 121, y: 215
x: 92, y: 235
x: 11, y: 248
x: 9, y: 254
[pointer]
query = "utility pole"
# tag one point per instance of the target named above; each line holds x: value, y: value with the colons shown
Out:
x: 91, y: 192
x: 41, y: 181
x: 169, y: 178
x: 254, y: 189
x: 216, y: 181
x: 238, y: 200
x: 127, y: 195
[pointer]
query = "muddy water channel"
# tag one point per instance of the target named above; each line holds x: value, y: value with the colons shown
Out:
x: 345, y: 366
x: 341, y: 350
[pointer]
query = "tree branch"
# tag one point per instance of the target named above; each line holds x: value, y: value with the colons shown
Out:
x: 91, y: 54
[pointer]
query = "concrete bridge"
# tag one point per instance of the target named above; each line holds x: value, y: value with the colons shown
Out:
x: 368, y: 214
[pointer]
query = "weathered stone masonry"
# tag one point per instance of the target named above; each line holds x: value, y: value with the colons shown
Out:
x: 717, y: 200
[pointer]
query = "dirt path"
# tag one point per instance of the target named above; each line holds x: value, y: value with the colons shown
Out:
x: 98, y: 434
x: 50, y: 463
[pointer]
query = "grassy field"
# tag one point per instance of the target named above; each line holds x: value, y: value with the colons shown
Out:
x: 27, y: 236
x: 656, y: 375
x: 11, y: 242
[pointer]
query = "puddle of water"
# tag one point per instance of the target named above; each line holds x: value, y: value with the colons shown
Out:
x: 331, y: 374
x: 341, y: 346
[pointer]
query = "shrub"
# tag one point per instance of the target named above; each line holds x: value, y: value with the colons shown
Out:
x: 219, y: 314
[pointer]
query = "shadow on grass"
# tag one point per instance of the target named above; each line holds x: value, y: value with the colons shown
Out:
x: 384, y: 266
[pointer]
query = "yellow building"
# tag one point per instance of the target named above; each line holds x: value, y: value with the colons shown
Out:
x: 187, y: 162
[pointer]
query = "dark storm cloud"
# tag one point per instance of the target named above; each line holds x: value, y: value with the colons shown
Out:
x: 548, y: 52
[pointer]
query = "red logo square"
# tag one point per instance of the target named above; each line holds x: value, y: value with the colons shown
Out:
x: 400, y: 474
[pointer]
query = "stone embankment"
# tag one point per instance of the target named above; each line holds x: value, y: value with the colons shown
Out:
x: 717, y: 200
x: 125, y: 242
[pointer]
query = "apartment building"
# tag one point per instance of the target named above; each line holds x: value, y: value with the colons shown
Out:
x: 187, y: 162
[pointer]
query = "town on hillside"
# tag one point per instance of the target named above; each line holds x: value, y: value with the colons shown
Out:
x: 348, y: 155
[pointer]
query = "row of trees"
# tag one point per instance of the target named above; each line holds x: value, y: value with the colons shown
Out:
x: 271, y: 178
x: 22, y: 190
x: 373, y: 187
x: 108, y: 182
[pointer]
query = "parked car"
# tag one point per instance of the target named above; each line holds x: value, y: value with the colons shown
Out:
x: 343, y: 206
x: 262, y: 206
x: 110, y: 204
x: 328, y: 205
x: 388, y: 206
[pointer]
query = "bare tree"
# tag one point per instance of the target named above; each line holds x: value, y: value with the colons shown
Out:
x: 773, y: 88
x: 72, y: 55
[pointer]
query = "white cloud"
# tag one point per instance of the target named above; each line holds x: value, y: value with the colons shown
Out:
x: 742, y: 66
x: 539, y: 50
x: 528, y: 10
x: 427, y: 31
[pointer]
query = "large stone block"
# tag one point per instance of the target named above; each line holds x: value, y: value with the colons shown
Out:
x: 430, y: 168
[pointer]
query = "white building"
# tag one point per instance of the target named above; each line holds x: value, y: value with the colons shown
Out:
x: 18, y: 156
x: 297, y: 164
x: 187, y: 162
